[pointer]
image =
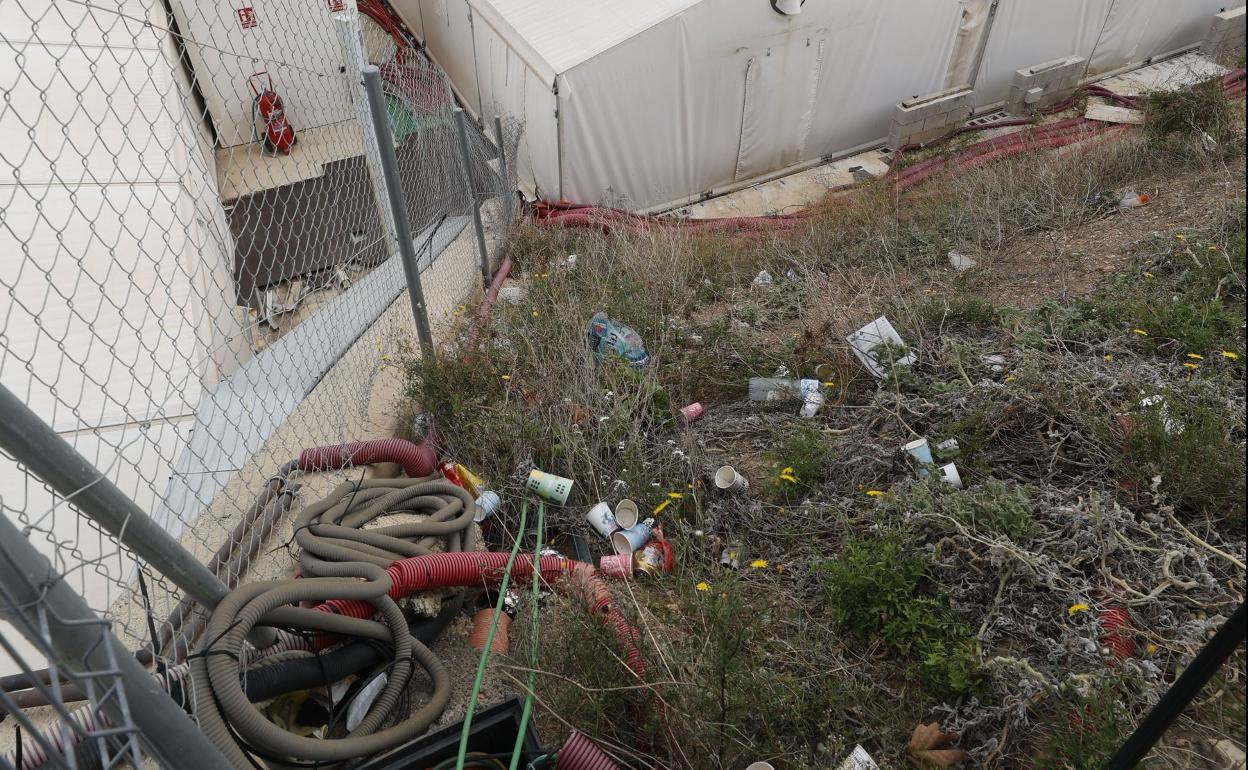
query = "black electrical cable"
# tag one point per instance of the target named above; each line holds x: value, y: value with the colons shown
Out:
x: 269, y: 681
x: 1194, y: 677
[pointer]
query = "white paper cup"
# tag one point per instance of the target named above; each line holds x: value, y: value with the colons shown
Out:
x: 951, y: 475
x: 602, y: 520
x: 727, y: 479
x: 626, y: 514
x: 631, y: 539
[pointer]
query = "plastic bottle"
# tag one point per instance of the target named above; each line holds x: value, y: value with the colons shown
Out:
x: 774, y: 389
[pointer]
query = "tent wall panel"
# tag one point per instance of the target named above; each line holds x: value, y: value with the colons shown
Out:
x: 295, y: 41
x: 448, y: 34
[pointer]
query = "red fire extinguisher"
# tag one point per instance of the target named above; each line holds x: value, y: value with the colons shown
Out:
x: 279, y: 136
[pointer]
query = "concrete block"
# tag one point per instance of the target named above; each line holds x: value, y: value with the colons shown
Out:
x: 1044, y: 84
x: 928, y: 117
x: 1224, y: 42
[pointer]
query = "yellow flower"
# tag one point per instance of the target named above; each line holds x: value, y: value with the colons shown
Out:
x: 506, y: 378
x: 1140, y: 332
x: 829, y: 384
x: 1229, y: 355
x: 874, y: 493
x: 759, y: 564
x: 1213, y: 248
x: 1010, y: 378
x: 661, y: 506
x: 1108, y: 357
x: 1075, y: 609
x: 703, y: 586
x: 1190, y: 365
x: 1180, y: 236
x: 545, y: 275
x: 1151, y: 649
x: 675, y: 495
x: 688, y: 486
x: 1196, y: 356
x: 1149, y: 275
x: 536, y: 314
x: 788, y: 477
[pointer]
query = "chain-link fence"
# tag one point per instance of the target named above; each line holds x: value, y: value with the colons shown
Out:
x: 200, y: 276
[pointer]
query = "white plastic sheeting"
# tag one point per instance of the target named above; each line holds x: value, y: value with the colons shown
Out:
x: 647, y: 104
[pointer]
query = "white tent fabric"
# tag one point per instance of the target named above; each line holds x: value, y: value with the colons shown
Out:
x: 655, y: 103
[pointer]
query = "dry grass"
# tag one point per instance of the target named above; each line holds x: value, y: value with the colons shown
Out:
x: 1066, y: 503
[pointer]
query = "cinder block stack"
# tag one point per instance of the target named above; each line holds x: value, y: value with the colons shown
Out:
x: 924, y: 118
x: 1044, y: 84
x: 1224, y: 43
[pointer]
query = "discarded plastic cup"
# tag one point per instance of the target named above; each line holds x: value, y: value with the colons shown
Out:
x: 626, y: 513
x: 487, y: 504
x: 602, y: 519
x: 631, y: 539
x: 691, y: 412
x: 728, y: 479
x: 950, y: 475
x: 617, y: 566
x: 919, y: 450
x: 554, y: 488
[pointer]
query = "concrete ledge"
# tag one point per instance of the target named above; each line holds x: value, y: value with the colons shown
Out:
x: 930, y: 116
x: 1224, y: 42
x: 1044, y: 84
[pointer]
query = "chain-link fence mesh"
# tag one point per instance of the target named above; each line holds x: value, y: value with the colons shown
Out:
x: 200, y: 275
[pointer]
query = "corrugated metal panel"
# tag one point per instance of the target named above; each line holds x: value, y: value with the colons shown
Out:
x: 566, y: 33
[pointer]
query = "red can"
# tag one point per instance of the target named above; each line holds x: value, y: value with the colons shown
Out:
x: 447, y: 469
x: 656, y: 558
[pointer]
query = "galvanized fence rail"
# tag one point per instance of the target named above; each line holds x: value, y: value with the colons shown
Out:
x: 213, y: 236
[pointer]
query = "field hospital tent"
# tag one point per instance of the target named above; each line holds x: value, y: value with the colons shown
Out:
x: 654, y: 102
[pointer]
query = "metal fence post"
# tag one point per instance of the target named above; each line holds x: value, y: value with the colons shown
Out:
x: 29, y: 439
x: 76, y: 634
x: 461, y: 122
x: 398, y: 206
x: 502, y: 166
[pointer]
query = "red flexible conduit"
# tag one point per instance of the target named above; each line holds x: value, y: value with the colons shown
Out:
x: 580, y: 753
x: 475, y: 568
x: 417, y: 460
x: 1050, y: 136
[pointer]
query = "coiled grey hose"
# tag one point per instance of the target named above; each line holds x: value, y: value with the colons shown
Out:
x: 330, y: 530
x: 339, y: 560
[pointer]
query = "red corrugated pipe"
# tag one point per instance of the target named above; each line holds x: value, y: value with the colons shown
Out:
x: 580, y: 753
x: 1115, y: 625
x: 476, y: 568
x: 417, y: 460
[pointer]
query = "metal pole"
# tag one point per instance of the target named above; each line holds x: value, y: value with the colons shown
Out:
x: 398, y: 206
x: 1171, y: 704
x: 29, y: 439
x: 461, y: 122
x: 502, y: 168
x: 76, y: 634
